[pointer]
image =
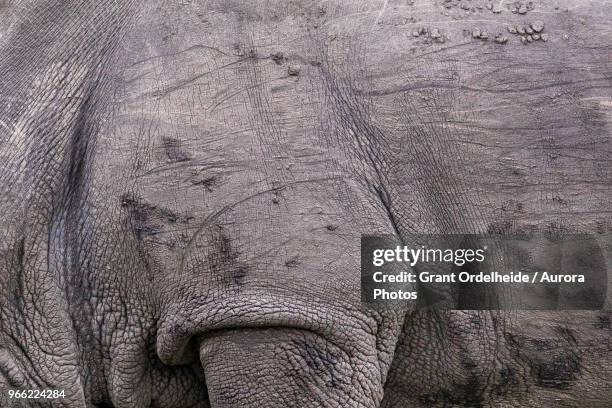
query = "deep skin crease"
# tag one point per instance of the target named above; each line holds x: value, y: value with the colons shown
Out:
x: 183, y: 186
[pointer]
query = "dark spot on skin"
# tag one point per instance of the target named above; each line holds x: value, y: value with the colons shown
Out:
x: 146, y: 219
x: 553, y: 362
x: 141, y: 230
x: 277, y: 190
x: 18, y: 265
x: 558, y: 373
x: 512, y: 339
x: 209, y: 183
x: 173, y: 150
x: 464, y: 395
x: 293, y: 262
x: 278, y: 58
x: 468, y: 363
x: 20, y: 253
x: 239, y: 274
x: 603, y: 322
x: 223, y: 258
x: 294, y: 70
x: 140, y: 216
x: 331, y: 227
x: 168, y: 215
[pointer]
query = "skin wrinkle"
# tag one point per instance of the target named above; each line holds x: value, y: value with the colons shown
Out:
x: 33, y: 294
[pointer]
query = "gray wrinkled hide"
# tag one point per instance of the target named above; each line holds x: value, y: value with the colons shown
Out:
x: 183, y: 185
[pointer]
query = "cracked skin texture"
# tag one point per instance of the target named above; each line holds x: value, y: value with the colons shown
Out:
x: 184, y: 184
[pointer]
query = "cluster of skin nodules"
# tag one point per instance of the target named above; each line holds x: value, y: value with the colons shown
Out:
x: 247, y: 294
